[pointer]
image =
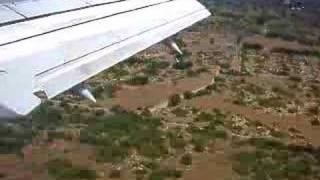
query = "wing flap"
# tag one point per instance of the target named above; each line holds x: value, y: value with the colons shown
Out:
x: 63, y: 78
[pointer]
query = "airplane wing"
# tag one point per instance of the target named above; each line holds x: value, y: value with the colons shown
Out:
x: 51, y: 46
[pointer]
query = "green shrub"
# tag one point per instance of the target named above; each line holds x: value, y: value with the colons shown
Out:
x: 13, y: 138
x: 267, y: 143
x: 115, y: 173
x: 255, y: 46
x: 186, y: 159
x: 282, y: 91
x: 113, y: 135
x: 62, y: 169
x: 178, y: 142
x: 180, y: 112
x: 138, y: 80
x: 182, y: 64
x: 118, y: 71
x: 153, y: 66
x: 46, y: 116
x: 315, y: 122
x: 221, y: 134
x: 220, y: 79
x: 104, y: 92
x: 191, y: 73
x: 204, y: 116
x: 174, y: 100
x: 273, y: 102
x: 291, y: 51
x: 316, y: 54
x: 164, y: 174
x: 314, y: 110
x: 295, y: 78
x: 247, y: 159
x: 187, y: 95
x: 202, y: 92
x: 117, y: 109
x: 200, y: 142
x: 297, y: 169
x: 254, y: 89
x: 111, y: 153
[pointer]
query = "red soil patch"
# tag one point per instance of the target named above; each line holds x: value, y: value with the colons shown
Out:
x: 285, y: 122
x: 153, y: 94
x: 275, y: 43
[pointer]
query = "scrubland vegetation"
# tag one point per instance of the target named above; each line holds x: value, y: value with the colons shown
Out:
x: 259, y: 113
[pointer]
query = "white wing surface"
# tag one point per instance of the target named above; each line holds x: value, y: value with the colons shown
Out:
x: 53, y: 45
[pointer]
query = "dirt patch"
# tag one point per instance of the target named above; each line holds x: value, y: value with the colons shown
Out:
x: 285, y: 122
x: 272, y: 44
x: 153, y: 94
x: 13, y: 168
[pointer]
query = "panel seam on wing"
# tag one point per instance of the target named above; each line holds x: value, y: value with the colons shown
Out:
x: 100, y: 49
x: 104, y: 17
x: 53, y: 13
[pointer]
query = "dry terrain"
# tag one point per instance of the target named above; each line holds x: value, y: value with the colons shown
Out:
x: 243, y: 105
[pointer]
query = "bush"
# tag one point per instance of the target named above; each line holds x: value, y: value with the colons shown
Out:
x: 115, y: 173
x: 295, y: 78
x: 267, y: 143
x: 104, y: 92
x: 174, y: 100
x: 316, y: 54
x: 138, y: 80
x: 255, y: 46
x: 200, y: 142
x: 220, y: 79
x: 204, y: 116
x: 221, y: 134
x: 178, y: 142
x: 187, y: 95
x: 282, y: 91
x: 118, y: 71
x: 62, y: 169
x: 46, y: 116
x: 13, y: 138
x: 247, y: 159
x: 182, y: 64
x: 203, y: 92
x: 180, y: 112
x: 115, y: 134
x: 165, y: 173
x: 117, y: 109
x: 315, y: 122
x: 152, y: 66
x: 273, y: 102
x: 186, y: 159
x: 191, y: 73
x: 291, y: 51
x: 314, y: 110
x: 297, y: 169
x: 111, y: 153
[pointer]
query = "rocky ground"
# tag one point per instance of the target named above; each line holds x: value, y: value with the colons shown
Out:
x: 243, y: 107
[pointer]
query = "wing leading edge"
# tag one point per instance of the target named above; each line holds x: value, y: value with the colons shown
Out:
x: 56, y: 52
